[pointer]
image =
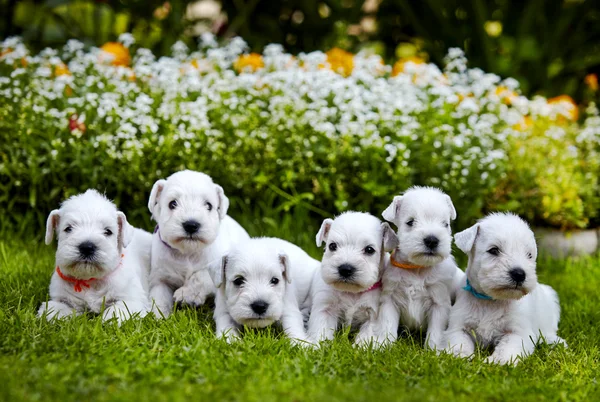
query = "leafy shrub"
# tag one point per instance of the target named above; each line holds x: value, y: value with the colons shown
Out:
x: 328, y: 131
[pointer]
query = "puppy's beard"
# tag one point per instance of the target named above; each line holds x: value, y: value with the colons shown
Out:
x: 426, y: 258
x: 256, y: 322
x: 347, y: 286
x: 508, y: 293
x: 84, y: 269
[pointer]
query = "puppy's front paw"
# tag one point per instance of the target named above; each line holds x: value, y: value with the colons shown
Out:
x: 116, y: 312
x: 55, y: 311
x: 497, y: 358
x: 190, y: 296
x: 303, y: 343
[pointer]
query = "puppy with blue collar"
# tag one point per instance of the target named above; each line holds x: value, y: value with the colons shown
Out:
x: 501, y: 304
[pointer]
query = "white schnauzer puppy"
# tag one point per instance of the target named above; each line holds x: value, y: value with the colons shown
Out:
x: 262, y: 281
x: 102, y: 262
x: 420, y: 281
x: 348, y: 287
x: 192, y: 234
x: 501, y: 303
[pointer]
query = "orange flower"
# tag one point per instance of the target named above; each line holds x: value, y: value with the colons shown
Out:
x: 399, y: 65
x: 340, y: 61
x: 116, y: 54
x: 573, y: 113
x: 591, y: 80
x: 249, y: 63
x: 506, y: 94
x: 8, y: 51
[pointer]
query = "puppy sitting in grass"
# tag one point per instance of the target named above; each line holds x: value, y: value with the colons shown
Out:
x: 500, y: 304
x: 420, y: 281
x: 346, y: 290
x: 192, y: 234
x: 262, y: 281
x: 101, y: 261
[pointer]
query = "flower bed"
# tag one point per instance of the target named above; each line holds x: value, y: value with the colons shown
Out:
x: 330, y: 130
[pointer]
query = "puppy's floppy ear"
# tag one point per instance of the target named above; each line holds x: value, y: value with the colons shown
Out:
x: 393, y: 210
x: 125, y: 234
x: 390, y: 240
x: 51, y: 225
x: 218, y: 273
x: 285, y: 266
x: 324, y: 231
x: 466, y: 239
x: 223, y: 201
x: 157, y: 189
x: 451, y: 206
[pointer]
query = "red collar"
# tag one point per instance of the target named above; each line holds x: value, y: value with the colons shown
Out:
x: 79, y: 284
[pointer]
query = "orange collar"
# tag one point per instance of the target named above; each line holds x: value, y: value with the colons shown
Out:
x: 403, y: 265
x: 79, y: 284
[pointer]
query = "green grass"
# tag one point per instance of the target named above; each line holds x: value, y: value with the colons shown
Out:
x: 179, y: 358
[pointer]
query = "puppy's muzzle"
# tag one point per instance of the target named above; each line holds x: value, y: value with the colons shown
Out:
x: 346, y: 271
x: 431, y: 242
x: 259, y: 307
x: 87, y: 250
x: 191, y: 226
x: 517, y: 275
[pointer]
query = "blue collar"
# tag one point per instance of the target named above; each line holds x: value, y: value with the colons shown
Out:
x: 475, y: 293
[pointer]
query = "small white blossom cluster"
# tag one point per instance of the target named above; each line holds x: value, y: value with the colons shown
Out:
x: 379, y: 131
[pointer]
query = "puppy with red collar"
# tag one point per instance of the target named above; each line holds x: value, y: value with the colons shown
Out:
x: 102, y: 262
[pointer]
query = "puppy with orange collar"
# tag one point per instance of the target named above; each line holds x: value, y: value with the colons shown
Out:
x: 421, y: 280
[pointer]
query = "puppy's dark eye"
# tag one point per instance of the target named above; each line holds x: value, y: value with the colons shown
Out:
x: 369, y: 250
x: 107, y: 232
x: 173, y: 204
x: 410, y: 222
x: 332, y: 247
x: 530, y: 256
x: 68, y: 229
x: 494, y: 251
x: 209, y: 206
x: 239, y: 281
x: 274, y: 281
x: 446, y: 224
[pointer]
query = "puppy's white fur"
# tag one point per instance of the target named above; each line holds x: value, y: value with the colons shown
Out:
x: 419, y: 298
x: 120, y: 264
x: 180, y: 261
x: 519, y: 314
x: 360, y: 242
x: 265, y: 270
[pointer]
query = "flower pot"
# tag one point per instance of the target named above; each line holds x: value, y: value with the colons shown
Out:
x: 561, y: 243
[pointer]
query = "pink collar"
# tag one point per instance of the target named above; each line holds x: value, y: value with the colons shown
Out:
x: 377, y: 285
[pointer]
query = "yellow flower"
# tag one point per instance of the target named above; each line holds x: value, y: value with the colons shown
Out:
x: 506, y: 94
x: 61, y: 69
x: 573, y: 113
x: 591, y: 80
x: 8, y: 51
x: 524, y: 124
x: 399, y: 65
x: 340, y: 61
x: 116, y: 54
x: 249, y: 63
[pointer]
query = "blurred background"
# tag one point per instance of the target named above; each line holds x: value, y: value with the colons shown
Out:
x: 551, y: 47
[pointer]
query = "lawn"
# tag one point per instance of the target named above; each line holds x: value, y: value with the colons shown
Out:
x: 179, y: 358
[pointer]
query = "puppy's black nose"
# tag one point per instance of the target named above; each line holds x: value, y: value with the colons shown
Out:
x: 346, y: 270
x: 431, y: 242
x: 259, y: 307
x: 191, y: 226
x: 87, y: 249
x: 517, y: 275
